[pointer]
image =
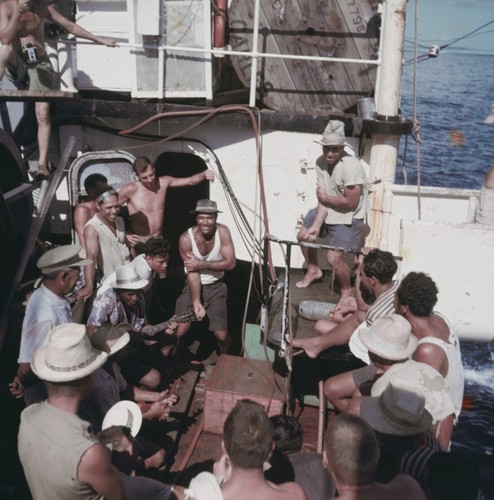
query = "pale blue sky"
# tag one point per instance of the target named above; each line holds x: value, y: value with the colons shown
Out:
x: 441, y: 21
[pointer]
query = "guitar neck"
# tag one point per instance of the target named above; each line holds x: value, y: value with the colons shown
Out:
x: 154, y: 329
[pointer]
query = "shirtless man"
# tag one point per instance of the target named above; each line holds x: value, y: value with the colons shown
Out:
x: 247, y: 444
x: 23, y: 55
x: 145, y: 198
x: 351, y: 454
x: 207, y: 251
x: 87, y: 208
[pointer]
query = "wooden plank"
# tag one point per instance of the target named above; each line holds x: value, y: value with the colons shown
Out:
x: 35, y: 95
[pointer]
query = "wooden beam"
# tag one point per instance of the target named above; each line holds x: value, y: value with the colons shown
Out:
x: 35, y: 95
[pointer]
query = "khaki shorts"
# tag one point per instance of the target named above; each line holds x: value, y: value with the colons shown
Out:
x: 213, y: 298
x: 38, y: 76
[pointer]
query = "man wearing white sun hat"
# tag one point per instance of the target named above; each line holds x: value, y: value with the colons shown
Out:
x: 61, y: 458
x: 389, y: 341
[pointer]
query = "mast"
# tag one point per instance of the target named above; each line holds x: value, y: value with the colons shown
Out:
x: 384, y: 152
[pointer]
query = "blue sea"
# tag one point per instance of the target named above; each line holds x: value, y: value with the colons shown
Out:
x: 455, y: 93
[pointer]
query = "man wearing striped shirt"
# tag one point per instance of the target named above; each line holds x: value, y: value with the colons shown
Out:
x: 375, y: 291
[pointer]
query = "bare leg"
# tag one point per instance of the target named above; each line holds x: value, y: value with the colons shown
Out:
x: 313, y: 346
x: 324, y: 326
x: 151, y: 380
x: 182, y: 329
x: 44, y: 132
x: 8, y: 58
x: 314, y: 272
x: 224, y: 340
x: 347, y: 303
x: 339, y: 390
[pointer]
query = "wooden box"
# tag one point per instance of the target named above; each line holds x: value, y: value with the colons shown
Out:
x: 236, y: 378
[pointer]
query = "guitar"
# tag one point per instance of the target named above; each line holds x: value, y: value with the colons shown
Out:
x: 149, y: 331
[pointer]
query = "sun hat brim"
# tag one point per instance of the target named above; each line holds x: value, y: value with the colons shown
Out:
x: 43, y: 371
x: 357, y: 348
x: 136, y: 285
x: 434, y: 387
x: 332, y: 143
x: 381, y: 349
x: 112, y: 416
x: 372, y: 413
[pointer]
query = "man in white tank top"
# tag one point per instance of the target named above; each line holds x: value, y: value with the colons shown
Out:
x: 207, y: 251
x: 438, y: 345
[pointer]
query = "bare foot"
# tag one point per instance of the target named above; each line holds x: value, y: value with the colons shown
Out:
x: 309, y: 278
x: 310, y: 346
x: 347, y: 305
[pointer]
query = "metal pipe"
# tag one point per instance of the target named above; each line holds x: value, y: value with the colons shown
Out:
x: 254, y: 56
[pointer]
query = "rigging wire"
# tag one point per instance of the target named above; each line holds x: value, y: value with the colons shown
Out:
x: 416, y: 124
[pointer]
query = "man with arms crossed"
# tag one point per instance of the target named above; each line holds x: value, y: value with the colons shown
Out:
x: 145, y: 198
x: 207, y: 251
x: 23, y: 55
x: 342, y: 195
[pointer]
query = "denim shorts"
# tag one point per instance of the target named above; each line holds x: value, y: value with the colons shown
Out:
x: 341, y: 235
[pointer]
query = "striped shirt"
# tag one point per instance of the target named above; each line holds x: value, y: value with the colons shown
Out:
x: 384, y: 305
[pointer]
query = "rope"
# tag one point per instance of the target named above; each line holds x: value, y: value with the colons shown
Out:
x: 416, y: 123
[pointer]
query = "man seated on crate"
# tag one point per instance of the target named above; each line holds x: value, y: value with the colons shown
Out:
x: 238, y: 474
x: 207, y: 251
x: 146, y: 196
x: 123, y: 303
x: 23, y: 56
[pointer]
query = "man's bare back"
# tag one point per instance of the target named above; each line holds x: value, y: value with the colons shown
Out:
x: 263, y: 489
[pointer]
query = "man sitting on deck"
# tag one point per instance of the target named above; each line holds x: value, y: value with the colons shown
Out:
x: 247, y: 444
x: 342, y: 208
x: 351, y: 454
x: 46, y: 309
x: 374, y: 286
x: 146, y: 197
x: 23, y: 56
x: 123, y: 302
x: 438, y: 345
x: 105, y: 240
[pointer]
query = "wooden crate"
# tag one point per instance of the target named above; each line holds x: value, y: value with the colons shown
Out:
x: 236, y: 378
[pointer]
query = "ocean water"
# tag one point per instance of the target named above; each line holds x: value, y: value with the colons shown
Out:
x: 455, y: 93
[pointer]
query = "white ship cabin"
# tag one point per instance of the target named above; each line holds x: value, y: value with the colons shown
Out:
x: 244, y: 88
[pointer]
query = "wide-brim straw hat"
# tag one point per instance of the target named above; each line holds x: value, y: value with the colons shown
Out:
x: 333, y: 135
x: 127, y: 278
x: 390, y: 337
x: 206, y: 207
x: 400, y: 410
x: 68, y: 355
x: 126, y: 414
x: 63, y: 257
x: 428, y: 380
x: 109, y: 338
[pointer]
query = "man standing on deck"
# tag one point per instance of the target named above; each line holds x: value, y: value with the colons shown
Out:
x: 46, y: 309
x: 146, y: 196
x: 23, y: 56
x: 341, y: 211
x: 207, y: 251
